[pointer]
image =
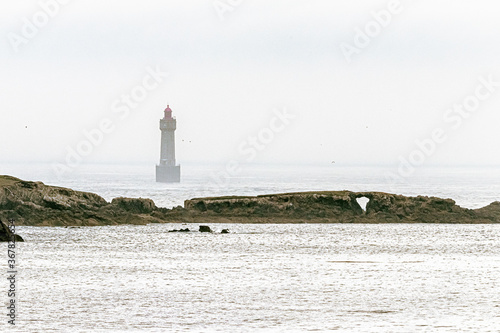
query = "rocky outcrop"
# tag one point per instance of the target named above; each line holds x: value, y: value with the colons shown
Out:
x: 338, y: 207
x: 490, y: 212
x: 34, y: 203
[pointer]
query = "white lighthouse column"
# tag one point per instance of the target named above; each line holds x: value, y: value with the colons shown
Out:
x: 168, y: 171
x: 167, y: 152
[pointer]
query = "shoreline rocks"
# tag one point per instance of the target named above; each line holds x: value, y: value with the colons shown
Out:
x: 34, y: 203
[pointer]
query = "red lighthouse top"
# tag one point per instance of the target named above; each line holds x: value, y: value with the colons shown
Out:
x: 168, y: 112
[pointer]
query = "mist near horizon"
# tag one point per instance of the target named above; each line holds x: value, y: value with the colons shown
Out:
x: 366, y: 83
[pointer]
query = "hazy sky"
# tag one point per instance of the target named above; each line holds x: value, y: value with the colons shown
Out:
x: 355, y: 82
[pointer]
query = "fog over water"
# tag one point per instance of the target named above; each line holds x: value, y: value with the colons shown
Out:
x: 364, y: 82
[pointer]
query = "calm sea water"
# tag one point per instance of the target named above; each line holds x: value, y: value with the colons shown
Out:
x: 346, y: 278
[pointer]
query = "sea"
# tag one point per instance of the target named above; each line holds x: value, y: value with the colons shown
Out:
x: 259, y: 277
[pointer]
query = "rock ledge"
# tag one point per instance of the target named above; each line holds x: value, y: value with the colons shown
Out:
x: 34, y: 203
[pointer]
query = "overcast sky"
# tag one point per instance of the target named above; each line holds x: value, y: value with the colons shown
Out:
x: 355, y: 82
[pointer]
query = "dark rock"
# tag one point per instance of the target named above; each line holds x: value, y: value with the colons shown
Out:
x: 205, y: 228
x: 200, y: 206
x: 224, y: 231
x: 6, y: 235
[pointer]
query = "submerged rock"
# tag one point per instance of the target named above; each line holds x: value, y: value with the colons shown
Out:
x: 205, y: 228
x: 180, y: 230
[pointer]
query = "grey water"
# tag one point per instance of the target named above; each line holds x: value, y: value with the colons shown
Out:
x: 275, y: 277
x: 305, y: 277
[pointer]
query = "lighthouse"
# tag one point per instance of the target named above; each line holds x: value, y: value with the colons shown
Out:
x: 167, y: 171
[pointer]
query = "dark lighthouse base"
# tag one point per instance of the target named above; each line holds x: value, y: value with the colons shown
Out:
x: 168, y: 174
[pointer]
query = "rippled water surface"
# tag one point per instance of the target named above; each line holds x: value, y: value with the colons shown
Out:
x: 348, y: 278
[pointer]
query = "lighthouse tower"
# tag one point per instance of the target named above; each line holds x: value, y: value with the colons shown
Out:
x: 168, y: 171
